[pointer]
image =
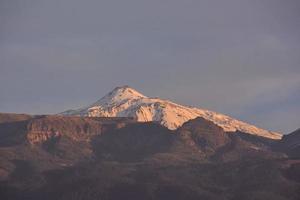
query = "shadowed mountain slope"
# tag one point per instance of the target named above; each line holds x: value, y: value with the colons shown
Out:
x: 290, y: 144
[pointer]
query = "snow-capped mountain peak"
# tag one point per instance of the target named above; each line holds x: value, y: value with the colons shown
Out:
x: 120, y: 94
x: 127, y: 102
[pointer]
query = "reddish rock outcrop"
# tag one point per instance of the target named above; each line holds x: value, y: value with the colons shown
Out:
x: 43, y: 128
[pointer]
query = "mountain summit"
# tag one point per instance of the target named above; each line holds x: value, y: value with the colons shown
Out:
x: 127, y: 102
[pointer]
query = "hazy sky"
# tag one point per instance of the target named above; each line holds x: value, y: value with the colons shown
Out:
x: 238, y: 57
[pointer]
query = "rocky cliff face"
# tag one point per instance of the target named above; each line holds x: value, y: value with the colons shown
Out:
x: 41, y: 129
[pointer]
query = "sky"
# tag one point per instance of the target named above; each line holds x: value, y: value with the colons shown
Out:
x: 237, y: 57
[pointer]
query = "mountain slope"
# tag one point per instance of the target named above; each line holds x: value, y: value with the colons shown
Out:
x: 290, y: 144
x: 127, y: 102
x: 83, y: 158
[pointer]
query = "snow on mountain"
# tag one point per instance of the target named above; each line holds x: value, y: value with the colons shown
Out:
x: 127, y: 102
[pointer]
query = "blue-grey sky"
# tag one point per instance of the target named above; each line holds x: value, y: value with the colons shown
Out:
x: 238, y: 57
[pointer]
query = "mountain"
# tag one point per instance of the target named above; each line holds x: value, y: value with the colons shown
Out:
x: 127, y: 102
x: 92, y: 156
x: 86, y: 158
